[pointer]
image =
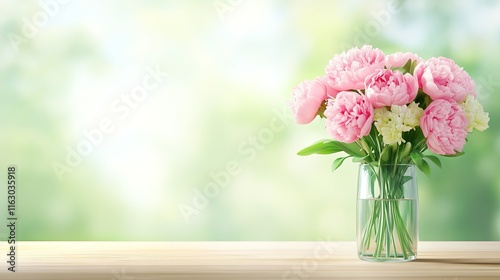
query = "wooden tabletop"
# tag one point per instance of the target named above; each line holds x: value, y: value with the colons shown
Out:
x: 243, y: 260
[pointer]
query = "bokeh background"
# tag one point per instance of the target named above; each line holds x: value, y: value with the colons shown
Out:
x: 210, y: 152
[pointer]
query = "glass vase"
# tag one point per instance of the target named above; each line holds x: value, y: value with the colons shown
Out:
x: 387, y: 213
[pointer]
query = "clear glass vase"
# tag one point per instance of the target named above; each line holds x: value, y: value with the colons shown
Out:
x: 387, y: 218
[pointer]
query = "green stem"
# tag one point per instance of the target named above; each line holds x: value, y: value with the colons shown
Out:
x: 386, y: 226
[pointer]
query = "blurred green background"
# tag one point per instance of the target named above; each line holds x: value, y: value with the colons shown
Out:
x: 217, y: 124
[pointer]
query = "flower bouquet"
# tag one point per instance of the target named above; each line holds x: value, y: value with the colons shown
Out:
x: 385, y: 112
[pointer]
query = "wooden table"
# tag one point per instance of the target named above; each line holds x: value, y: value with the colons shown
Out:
x: 244, y: 260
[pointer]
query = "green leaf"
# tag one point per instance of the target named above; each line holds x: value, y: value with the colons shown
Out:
x: 351, y: 149
x: 457, y: 154
x: 361, y: 159
x: 406, y: 150
x: 384, y: 156
x: 421, y: 163
x: 407, y: 66
x: 413, y: 66
x: 321, y: 147
x: 406, y: 179
x: 416, y: 157
x: 434, y: 159
x: 332, y: 146
x: 424, y: 167
x: 338, y: 162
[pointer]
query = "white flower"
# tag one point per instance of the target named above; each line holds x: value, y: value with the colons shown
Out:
x: 478, y: 119
x: 411, y: 117
x: 392, y: 123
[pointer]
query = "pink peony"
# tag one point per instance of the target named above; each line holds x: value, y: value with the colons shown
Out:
x: 330, y: 92
x: 349, y: 116
x: 348, y: 70
x: 442, y: 78
x: 387, y: 87
x: 308, y: 97
x: 444, y: 125
x: 399, y: 59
